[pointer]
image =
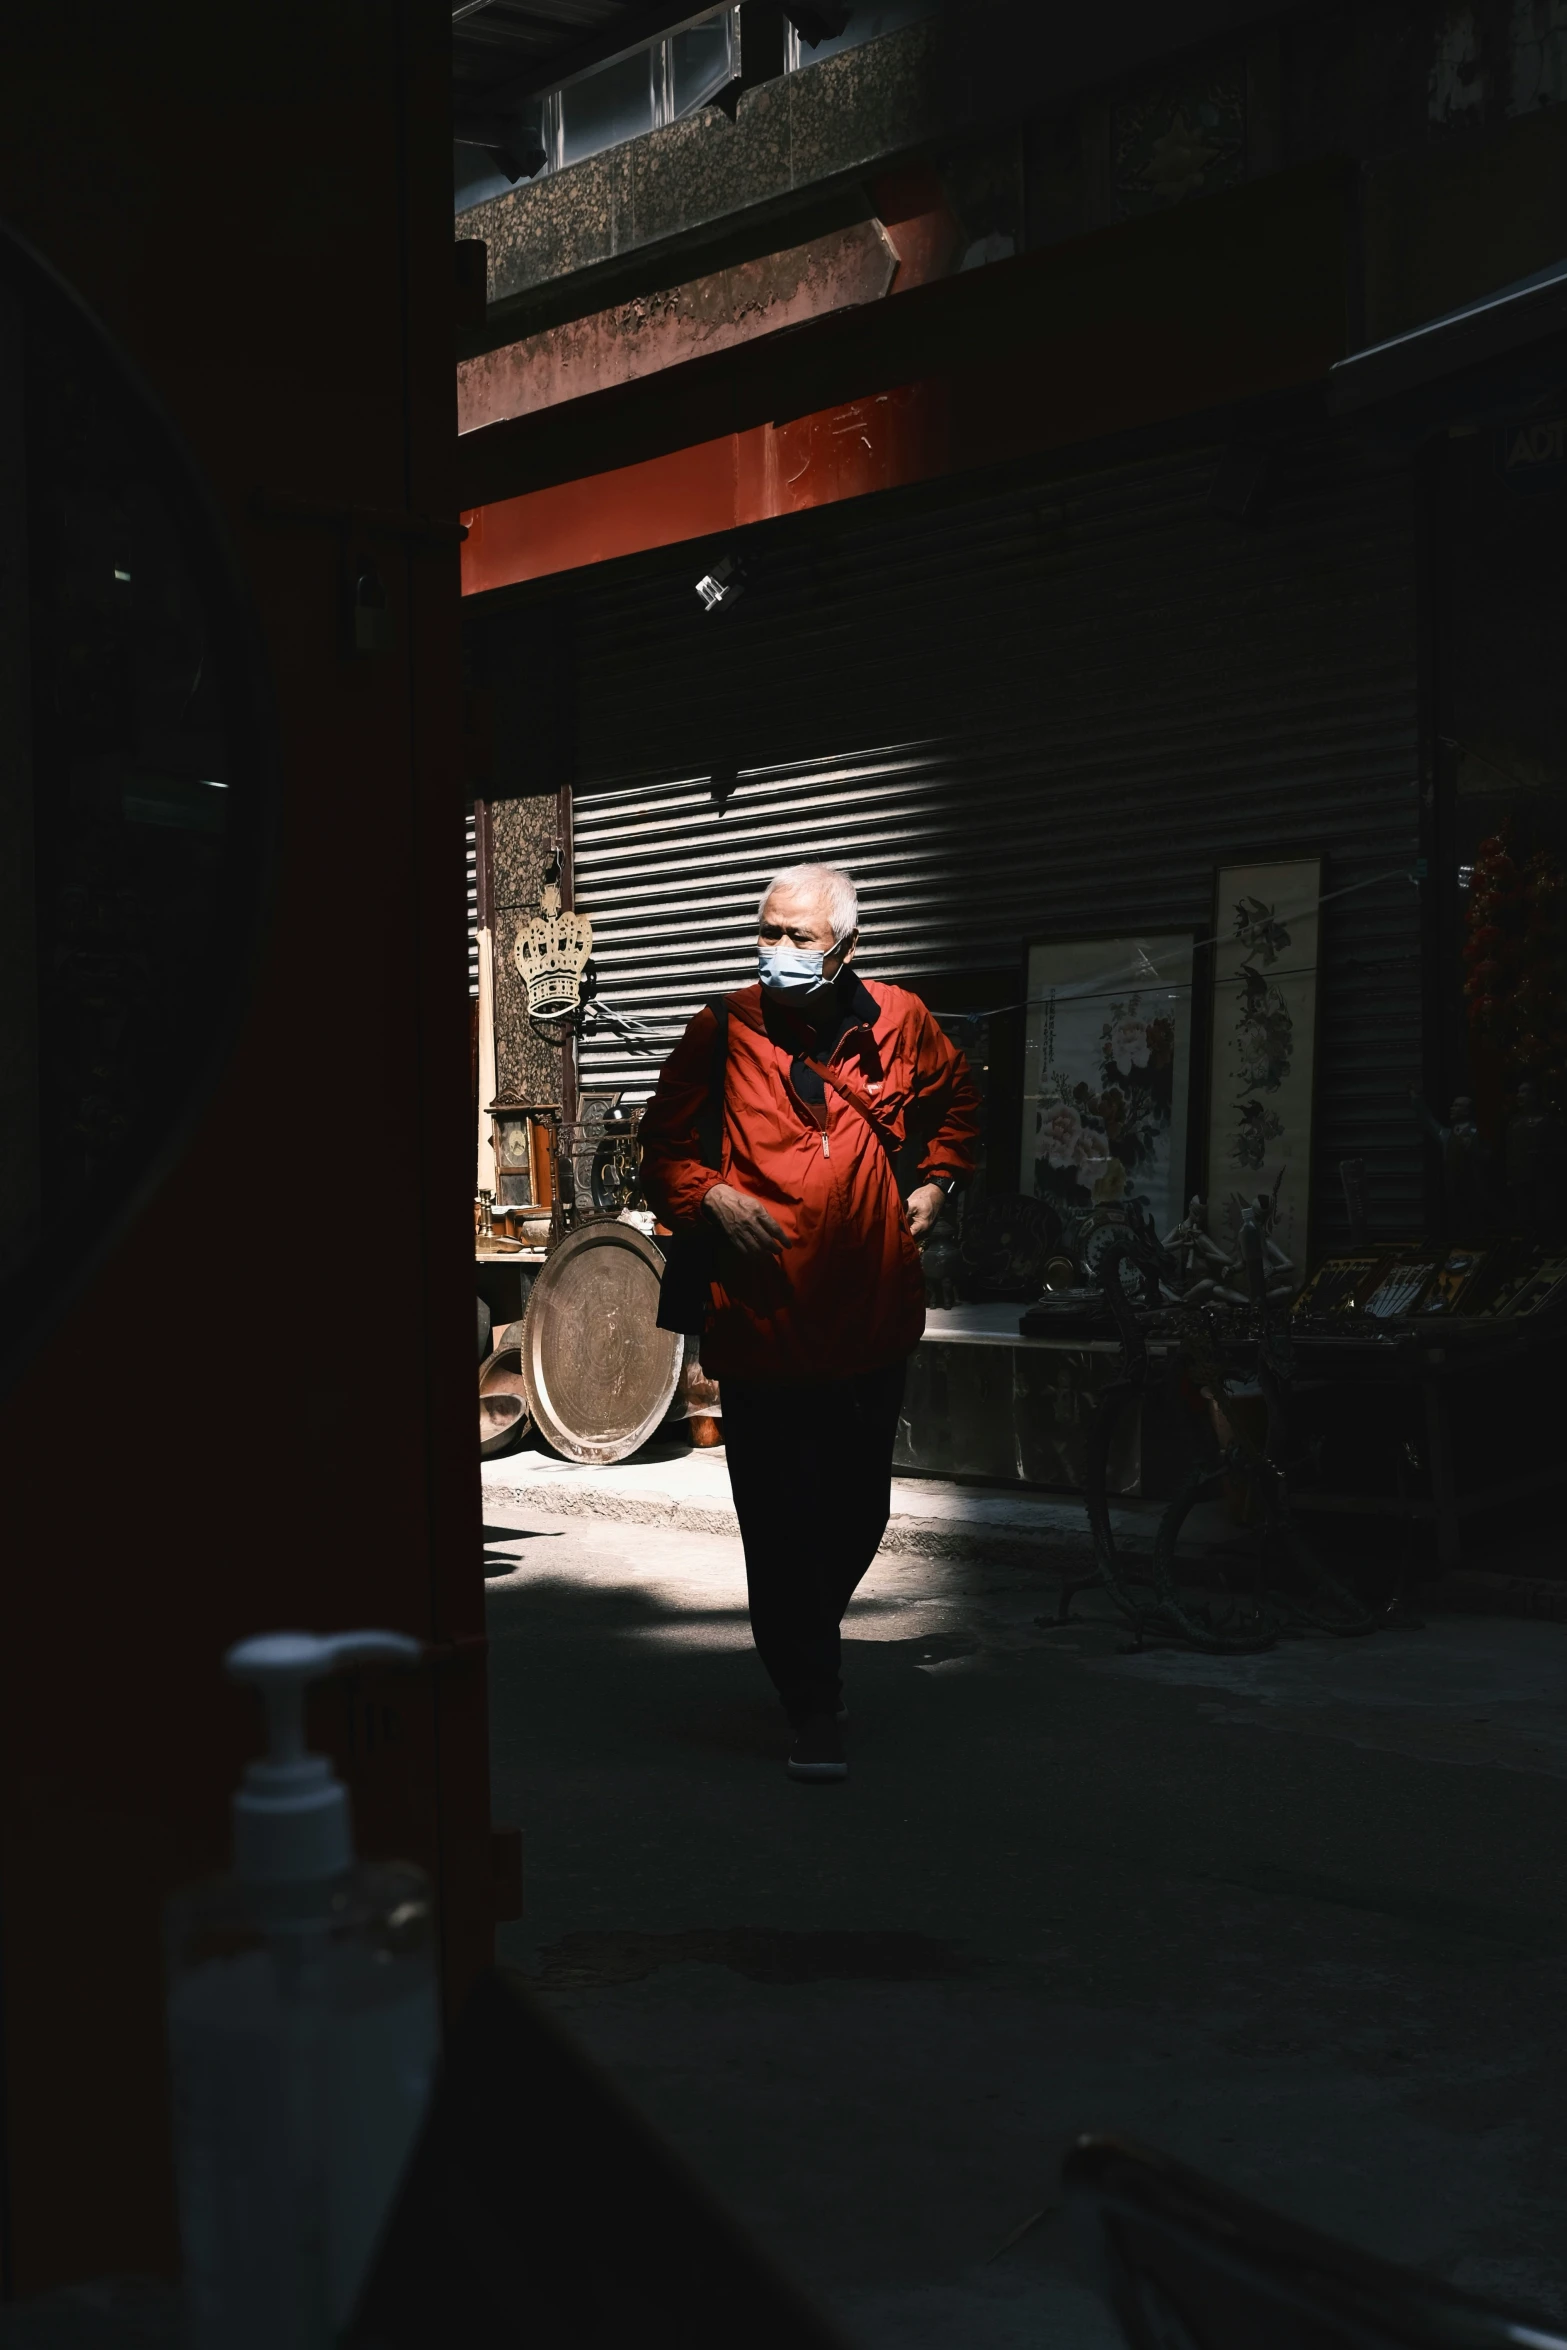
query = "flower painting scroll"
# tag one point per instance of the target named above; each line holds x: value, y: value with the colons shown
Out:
x: 1107, y: 1073
x: 1264, y: 1044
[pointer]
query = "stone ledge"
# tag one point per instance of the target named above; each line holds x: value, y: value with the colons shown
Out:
x: 802, y: 132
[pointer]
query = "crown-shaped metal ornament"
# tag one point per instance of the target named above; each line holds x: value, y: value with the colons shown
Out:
x: 551, y: 954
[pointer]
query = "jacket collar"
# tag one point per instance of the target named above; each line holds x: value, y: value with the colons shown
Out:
x: 752, y: 1010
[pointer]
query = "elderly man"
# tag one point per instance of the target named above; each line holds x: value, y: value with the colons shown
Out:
x: 831, y: 1087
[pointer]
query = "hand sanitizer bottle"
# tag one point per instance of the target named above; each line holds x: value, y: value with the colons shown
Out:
x: 302, y: 2033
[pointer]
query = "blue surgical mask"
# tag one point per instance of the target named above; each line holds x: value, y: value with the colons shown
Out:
x: 792, y: 970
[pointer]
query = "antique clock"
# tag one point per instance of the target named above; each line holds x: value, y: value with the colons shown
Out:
x: 524, y: 1140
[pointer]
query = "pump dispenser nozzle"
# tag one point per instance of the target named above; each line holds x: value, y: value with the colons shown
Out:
x: 291, y: 1810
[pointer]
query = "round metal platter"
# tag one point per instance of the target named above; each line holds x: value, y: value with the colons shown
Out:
x: 600, y: 1374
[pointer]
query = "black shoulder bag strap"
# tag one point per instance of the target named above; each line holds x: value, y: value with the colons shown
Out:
x: 684, y: 1293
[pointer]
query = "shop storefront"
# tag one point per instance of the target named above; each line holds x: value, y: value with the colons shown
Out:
x: 1180, y: 756
x: 1055, y: 712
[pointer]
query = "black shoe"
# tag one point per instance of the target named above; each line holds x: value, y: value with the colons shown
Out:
x: 817, y: 1752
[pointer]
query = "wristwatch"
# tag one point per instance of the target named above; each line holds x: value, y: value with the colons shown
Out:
x: 947, y: 1184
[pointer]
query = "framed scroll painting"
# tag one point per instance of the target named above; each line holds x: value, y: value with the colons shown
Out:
x: 1107, y: 1073
x: 1264, y: 1045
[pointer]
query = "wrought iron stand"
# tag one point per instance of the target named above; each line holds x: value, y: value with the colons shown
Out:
x: 1311, y: 1599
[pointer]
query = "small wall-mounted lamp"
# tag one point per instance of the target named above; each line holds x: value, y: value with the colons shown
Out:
x: 722, y: 586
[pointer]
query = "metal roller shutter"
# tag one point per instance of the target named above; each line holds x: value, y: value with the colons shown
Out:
x: 1044, y: 712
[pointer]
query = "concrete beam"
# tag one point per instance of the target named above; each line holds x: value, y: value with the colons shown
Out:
x: 978, y: 67
x: 1239, y: 295
x: 636, y: 338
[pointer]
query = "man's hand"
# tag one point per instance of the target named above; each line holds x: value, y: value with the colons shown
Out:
x: 744, y: 1222
x: 925, y: 1205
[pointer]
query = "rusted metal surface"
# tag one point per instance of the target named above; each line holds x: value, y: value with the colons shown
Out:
x: 1134, y: 327
x: 636, y: 338
x: 600, y: 1374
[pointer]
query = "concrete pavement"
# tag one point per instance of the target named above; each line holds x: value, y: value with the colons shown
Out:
x: 672, y: 1485
x: 1300, y: 1919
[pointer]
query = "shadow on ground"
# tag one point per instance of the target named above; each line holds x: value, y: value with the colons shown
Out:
x: 763, y: 1954
x: 1297, y: 1918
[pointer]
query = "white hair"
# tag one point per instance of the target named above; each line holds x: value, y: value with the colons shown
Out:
x: 837, y: 890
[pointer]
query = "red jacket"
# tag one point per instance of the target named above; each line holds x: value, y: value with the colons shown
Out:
x: 847, y: 1295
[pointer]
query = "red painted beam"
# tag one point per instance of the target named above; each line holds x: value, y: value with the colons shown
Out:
x: 1218, y: 299
x: 694, y: 493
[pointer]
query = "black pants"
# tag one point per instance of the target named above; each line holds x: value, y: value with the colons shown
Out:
x: 811, y: 1471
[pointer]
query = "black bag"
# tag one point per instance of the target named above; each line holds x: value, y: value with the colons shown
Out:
x: 685, y: 1292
